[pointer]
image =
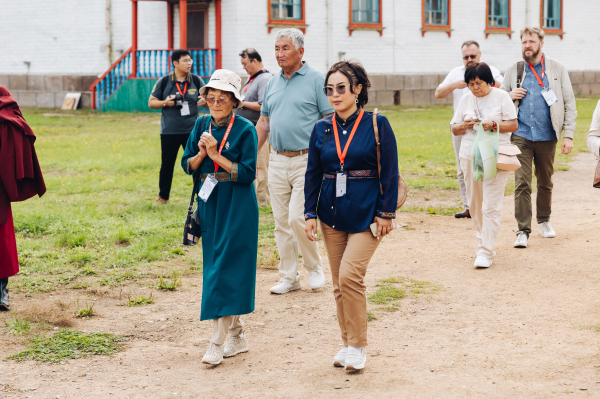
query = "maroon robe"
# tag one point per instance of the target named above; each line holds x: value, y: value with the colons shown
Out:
x: 20, y: 176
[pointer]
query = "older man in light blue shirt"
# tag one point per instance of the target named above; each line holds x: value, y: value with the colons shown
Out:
x: 293, y: 102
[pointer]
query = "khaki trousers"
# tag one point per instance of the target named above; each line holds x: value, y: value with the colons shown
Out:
x: 349, y: 255
x: 456, y: 141
x: 485, y: 199
x: 286, y: 186
x: 541, y: 154
x: 227, y: 324
x: 262, y: 176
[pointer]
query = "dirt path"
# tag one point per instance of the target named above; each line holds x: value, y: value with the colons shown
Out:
x: 514, y: 330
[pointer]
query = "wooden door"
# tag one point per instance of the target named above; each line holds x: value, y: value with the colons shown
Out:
x: 197, y: 28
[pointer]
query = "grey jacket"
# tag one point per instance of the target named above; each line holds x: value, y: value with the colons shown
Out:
x: 563, y: 112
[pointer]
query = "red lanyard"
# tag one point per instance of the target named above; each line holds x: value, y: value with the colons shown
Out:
x: 342, y: 155
x: 179, y: 89
x: 224, y: 137
x: 535, y: 73
x: 250, y: 81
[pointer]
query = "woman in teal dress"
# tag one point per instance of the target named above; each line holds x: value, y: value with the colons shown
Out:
x: 224, y: 146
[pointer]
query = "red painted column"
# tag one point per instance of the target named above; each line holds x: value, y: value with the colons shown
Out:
x: 183, y: 24
x: 134, y: 37
x: 218, y: 34
x: 170, y: 25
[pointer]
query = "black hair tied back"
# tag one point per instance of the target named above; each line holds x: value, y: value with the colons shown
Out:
x: 356, y: 75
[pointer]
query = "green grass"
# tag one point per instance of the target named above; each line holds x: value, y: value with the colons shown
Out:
x: 67, y: 344
x: 169, y: 284
x: 140, y: 300
x: 18, y: 326
x: 386, y: 294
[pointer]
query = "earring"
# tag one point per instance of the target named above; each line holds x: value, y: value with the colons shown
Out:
x: 356, y: 100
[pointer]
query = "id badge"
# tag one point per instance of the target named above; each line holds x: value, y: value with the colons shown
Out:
x: 549, y: 96
x: 207, y: 187
x: 185, y: 109
x: 340, y: 185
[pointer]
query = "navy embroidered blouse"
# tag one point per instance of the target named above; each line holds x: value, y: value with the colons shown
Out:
x: 354, y: 211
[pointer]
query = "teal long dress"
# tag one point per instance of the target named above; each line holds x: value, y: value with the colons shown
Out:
x: 229, y: 221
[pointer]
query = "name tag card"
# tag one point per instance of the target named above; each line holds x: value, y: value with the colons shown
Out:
x: 340, y: 185
x: 185, y: 109
x: 549, y: 96
x: 207, y: 187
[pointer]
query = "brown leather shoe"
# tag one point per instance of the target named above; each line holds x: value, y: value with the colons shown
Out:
x: 463, y: 214
x: 161, y: 201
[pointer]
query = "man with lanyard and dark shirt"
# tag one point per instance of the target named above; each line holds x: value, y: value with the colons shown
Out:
x: 178, y: 114
x: 545, y: 105
x: 252, y: 99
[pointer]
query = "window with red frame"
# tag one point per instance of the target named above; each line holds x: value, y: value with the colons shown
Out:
x: 286, y: 13
x: 365, y: 15
x: 436, y: 16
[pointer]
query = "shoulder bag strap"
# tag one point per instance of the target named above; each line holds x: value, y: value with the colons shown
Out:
x: 196, y: 177
x: 376, y: 130
x: 520, y: 71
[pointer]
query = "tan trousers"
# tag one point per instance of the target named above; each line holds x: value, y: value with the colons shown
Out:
x: 262, y: 178
x: 485, y: 200
x: 349, y: 255
x: 228, y: 324
x: 286, y: 186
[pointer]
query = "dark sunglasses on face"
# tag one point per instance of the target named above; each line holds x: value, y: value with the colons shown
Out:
x: 220, y: 102
x: 340, y: 89
x: 466, y: 57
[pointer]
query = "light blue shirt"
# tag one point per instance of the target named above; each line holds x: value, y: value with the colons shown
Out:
x: 535, y: 123
x: 293, y: 106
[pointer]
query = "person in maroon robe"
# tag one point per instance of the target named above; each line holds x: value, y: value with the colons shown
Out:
x: 20, y: 179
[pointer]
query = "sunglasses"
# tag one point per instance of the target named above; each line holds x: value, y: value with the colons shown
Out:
x: 220, y: 102
x: 340, y: 89
x: 466, y: 57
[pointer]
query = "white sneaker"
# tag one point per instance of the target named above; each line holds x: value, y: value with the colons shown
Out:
x: 214, y: 354
x: 236, y: 345
x: 482, y: 261
x: 340, y: 359
x: 284, y: 287
x: 355, y: 359
x: 316, y: 279
x: 547, y: 230
x: 521, y: 240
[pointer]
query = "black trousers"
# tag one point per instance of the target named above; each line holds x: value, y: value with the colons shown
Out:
x: 169, y: 146
x: 4, y: 291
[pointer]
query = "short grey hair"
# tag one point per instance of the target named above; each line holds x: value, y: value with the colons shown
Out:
x: 294, y: 34
x: 469, y: 43
x: 528, y: 30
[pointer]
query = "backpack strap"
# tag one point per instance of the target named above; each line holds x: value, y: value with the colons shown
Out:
x: 376, y: 130
x: 164, y: 82
x: 520, y: 71
x: 198, y: 81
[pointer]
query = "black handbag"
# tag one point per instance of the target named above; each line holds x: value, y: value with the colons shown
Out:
x: 191, y: 230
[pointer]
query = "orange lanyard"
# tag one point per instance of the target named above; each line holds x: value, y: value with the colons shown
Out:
x: 224, y: 137
x: 342, y: 155
x: 535, y: 73
x: 179, y: 89
x: 250, y: 81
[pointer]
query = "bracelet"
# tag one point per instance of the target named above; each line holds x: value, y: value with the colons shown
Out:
x: 494, y: 126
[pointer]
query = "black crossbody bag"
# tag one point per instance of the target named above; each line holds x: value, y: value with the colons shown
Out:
x: 191, y: 230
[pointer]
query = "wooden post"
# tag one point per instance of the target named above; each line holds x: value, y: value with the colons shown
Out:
x: 183, y: 24
x: 134, y: 37
x: 170, y: 25
x: 218, y: 33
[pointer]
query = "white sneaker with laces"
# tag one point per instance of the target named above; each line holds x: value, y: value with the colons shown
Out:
x: 356, y: 359
x: 214, y: 354
x: 547, y: 230
x: 236, y: 345
x: 482, y: 261
x: 340, y: 359
x: 316, y: 279
x: 521, y: 240
x: 283, y: 287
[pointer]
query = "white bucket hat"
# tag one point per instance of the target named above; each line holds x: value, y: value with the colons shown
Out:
x: 224, y: 80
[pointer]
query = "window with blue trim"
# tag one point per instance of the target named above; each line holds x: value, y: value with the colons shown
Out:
x: 365, y: 11
x: 552, y: 17
x: 286, y: 9
x: 498, y: 13
x: 436, y: 12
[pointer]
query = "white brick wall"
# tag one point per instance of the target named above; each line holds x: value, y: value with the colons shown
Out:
x: 69, y: 37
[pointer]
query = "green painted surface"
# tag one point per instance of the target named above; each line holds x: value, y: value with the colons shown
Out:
x: 132, y: 96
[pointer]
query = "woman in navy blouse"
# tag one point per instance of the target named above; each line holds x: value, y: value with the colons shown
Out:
x: 342, y: 188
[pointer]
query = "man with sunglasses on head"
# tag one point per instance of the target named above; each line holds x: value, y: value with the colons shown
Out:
x: 177, y: 95
x: 252, y: 99
x: 293, y: 102
x: 455, y: 84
